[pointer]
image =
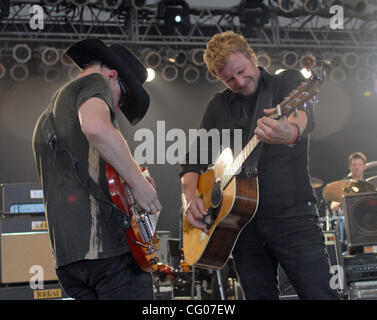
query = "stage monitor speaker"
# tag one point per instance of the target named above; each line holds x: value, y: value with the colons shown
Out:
x: 360, y: 219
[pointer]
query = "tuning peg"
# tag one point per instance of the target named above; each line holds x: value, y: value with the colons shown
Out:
x: 314, y: 100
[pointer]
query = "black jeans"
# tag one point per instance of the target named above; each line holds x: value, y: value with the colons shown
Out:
x: 297, y: 243
x: 117, y: 278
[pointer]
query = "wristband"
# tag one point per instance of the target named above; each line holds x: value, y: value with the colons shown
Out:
x: 297, y: 136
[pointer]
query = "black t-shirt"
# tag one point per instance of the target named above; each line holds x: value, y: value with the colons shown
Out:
x: 80, y: 227
x: 283, y: 175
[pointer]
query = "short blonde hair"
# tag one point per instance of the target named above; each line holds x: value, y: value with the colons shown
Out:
x: 357, y: 155
x: 221, y: 46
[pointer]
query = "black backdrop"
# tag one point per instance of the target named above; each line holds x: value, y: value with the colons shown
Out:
x: 346, y: 118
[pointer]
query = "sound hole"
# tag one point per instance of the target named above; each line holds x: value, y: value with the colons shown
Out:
x: 365, y: 216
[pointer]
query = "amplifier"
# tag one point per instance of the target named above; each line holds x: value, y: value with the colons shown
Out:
x: 363, y: 290
x: 360, y: 267
x: 21, y: 198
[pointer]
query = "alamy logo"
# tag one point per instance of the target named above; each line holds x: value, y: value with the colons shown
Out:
x: 37, y: 18
x: 37, y: 280
x: 337, y: 20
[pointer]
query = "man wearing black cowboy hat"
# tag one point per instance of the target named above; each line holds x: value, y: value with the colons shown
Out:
x: 72, y: 140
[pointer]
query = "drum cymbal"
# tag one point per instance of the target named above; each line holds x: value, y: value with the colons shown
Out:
x: 335, y: 191
x: 316, y: 182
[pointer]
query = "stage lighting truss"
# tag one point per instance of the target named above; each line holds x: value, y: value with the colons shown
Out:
x: 50, y: 56
x: 2, y: 71
x: 290, y: 59
x: 80, y: 3
x: 308, y: 60
x: 196, y: 56
x: 19, y: 72
x: 169, y: 72
x: 22, y: 53
x: 52, y: 2
x: 263, y: 59
x: 174, y: 13
x: 191, y: 74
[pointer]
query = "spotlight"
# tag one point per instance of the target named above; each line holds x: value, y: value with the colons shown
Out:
x: 64, y: 59
x: 80, y: 3
x: 210, y: 77
x: 306, y: 73
x: 308, y: 60
x: 2, y: 71
x: 152, y: 59
x: 336, y: 60
x: 170, y: 55
x: 169, y: 73
x: 355, y: 6
x: 52, y: 2
x: 351, y: 60
x: 4, y: 8
x: 151, y: 75
x: 253, y: 14
x: 22, y: 53
x: 337, y: 75
x: 287, y: 5
x: 362, y: 75
x: 19, y: 72
x: 174, y: 13
x: 191, y: 74
x: 197, y: 56
x: 50, y: 56
x: 138, y: 4
x: 290, y: 59
x: 111, y: 4
x: 181, y: 58
x: 371, y: 60
x: 311, y: 6
x: 51, y: 74
x: 264, y: 60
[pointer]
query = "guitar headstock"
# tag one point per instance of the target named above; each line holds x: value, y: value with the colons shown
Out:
x: 298, y: 98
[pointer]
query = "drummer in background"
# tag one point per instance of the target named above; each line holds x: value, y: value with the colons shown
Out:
x: 357, y: 165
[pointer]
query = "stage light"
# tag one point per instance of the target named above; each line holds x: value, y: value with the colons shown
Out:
x: 210, y: 77
x: 52, y: 2
x: 169, y: 73
x: 181, y: 58
x: 191, y: 74
x: 111, y: 4
x: 308, y: 60
x: 174, y: 13
x: 362, y: 75
x: 290, y: 59
x: 50, y: 56
x: 311, y: 6
x: 2, y: 71
x: 355, y: 6
x: 371, y: 60
x: 152, y: 59
x: 253, y: 14
x: 337, y: 75
x: 170, y: 55
x: 351, y: 60
x: 151, y: 75
x: 287, y: 5
x: 51, y: 74
x: 306, y: 73
x: 263, y: 59
x: 22, y: 53
x: 19, y: 72
x: 336, y: 60
x: 138, y: 4
x: 196, y: 57
x: 80, y: 3
x: 4, y: 8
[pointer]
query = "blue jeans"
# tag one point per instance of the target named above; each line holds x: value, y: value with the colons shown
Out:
x: 116, y: 278
x: 298, y: 244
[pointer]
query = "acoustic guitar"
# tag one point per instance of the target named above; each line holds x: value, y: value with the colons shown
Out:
x: 141, y: 234
x: 231, y: 200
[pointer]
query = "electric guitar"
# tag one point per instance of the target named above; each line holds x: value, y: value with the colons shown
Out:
x: 142, y: 239
x: 232, y: 201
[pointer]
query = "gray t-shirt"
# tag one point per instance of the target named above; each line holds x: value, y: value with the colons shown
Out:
x: 80, y: 227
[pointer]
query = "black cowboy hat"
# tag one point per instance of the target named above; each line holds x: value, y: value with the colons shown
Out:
x: 129, y: 68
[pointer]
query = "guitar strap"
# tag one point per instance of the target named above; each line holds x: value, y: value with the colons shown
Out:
x: 50, y: 135
x: 264, y: 100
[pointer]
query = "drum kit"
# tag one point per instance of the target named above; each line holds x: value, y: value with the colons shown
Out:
x: 334, y: 192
